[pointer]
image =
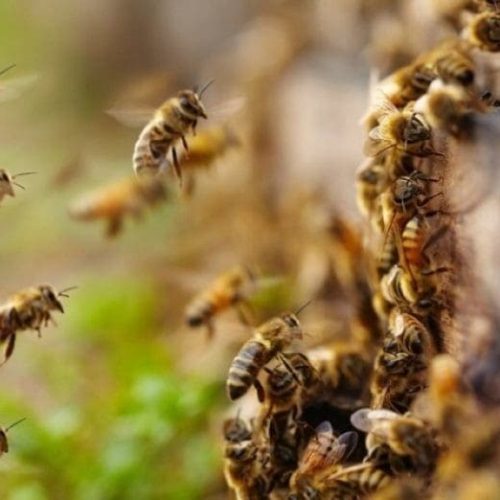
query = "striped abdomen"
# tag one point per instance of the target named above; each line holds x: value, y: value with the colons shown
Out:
x: 413, y: 242
x: 151, y: 148
x: 388, y: 256
x: 359, y: 481
x: 246, y: 366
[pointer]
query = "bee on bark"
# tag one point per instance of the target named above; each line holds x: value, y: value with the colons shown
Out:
x: 483, y: 31
x: 112, y: 203
x: 230, y: 290
x: 322, y: 455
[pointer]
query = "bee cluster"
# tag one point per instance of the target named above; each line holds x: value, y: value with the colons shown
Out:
x: 392, y: 414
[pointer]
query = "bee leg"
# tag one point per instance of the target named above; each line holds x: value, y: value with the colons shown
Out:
x: 210, y: 330
x: 184, y: 143
x: 9, y: 348
x: 289, y: 367
x: 114, y: 227
x: 261, y: 393
x: 177, y: 167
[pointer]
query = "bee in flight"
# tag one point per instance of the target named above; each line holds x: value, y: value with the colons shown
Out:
x: 130, y: 196
x: 7, y: 183
x: 268, y: 342
x: 4, y: 444
x: 231, y: 289
x: 171, y: 122
x: 29, y: 309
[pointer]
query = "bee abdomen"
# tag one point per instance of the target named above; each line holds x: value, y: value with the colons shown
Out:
x: 245, y: 368
x: 200, y: 312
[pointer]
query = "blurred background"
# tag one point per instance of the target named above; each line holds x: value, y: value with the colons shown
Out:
x: 121, y: 400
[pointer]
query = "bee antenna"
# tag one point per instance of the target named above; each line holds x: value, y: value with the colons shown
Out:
x: 14, y: 424
x: 63, y: 293
x: 18, y: 185
x: 20, y: 174
x: 7, y: 69
x: 205, y: 87
x: 302, y: 307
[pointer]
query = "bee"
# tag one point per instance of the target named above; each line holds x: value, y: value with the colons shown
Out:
x: 4, y: 444
x: 204, y: 150
x: 231, y: 289
x: 388, y: 256
x: 371, y: 180
x: 453, y: 63
x: 408, y: 83
x: 343, y: 369
x: 483, y: 31
x: 130, y: 196
x: 400, y: 132
x: 322, y: 454
x: 404, y: 435
x: 242, y: 467
x: 268, y: 341
x: 351, y: 482
x: 7, y: 183
x: 29, y: 309
x: 171, y: 122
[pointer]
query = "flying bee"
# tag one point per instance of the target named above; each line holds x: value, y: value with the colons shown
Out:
x: 4, y: 444
x: 130, y: 196
x: 7, y: 183
x: 171, y: 122
x: 483, y: 31
x: 205, y: 149
x: 405, y: 435
x: 399, y: 132
x: 321, y: 456
x: 231, y: 289
x: 268, y: 341
x: 29, y: 309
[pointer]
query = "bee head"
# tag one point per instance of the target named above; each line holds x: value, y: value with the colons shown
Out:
x: 243, y: 451
x: 191, y: 104
x: 293, y: 325
x: 416, y: 130
x: 6, y: 183
x: 493, y: 27
x: 50, y: 298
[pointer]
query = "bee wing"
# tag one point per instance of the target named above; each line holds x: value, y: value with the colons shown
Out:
x: 134, y: 118
x: 375, y: 144
x: 227, y: 109
x: 366, y: 419
x: 14, y: 87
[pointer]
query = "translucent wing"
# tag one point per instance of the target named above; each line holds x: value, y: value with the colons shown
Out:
x: 14, y: 87
x: 226, y: 109
x: 367, y: 419
x: 134, y: 118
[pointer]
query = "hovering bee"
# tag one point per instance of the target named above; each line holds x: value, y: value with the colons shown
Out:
x: 4, y: 444
x: 399, y: 132
x: 406, y: 436
x: 204, y: 150
x: 29, y: 309
x: 242, y: 467
x: 171, y: 122
x: 231, y: 289
x: 7, y: 182
x: 483, y: 31
x: 268, y: 341
x: 130, y: 196
x: 322, y: 455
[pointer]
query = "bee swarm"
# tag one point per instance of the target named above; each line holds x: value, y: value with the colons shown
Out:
x: 405, y: 406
